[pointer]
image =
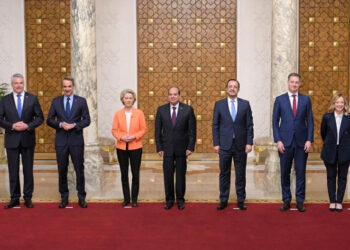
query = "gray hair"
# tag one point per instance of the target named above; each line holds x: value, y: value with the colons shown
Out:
x: 127, y: 91
x: 17, y: 75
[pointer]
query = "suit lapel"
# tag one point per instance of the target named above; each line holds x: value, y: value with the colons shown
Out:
x: 25, y: 102
x: 227, y: 110
x: 333, y: 125
x: 300, y: 102
x: 342, y: 126
x: 62, y: 106
x: 74, y: 106
x: 179, y: 114
x: 12, y: 105
x: 289, y: 104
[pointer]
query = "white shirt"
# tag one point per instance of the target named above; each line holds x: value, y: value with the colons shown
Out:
x: 176, y: 110
x: 15, y: 98
x: 128, y: 118
x: 338, y: 119
x: 291, y: 99
x: 229, y: 100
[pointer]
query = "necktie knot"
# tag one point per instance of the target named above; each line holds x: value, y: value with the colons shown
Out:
x: 19, y: 95
x: 174, y: 108
x: 68, y: 98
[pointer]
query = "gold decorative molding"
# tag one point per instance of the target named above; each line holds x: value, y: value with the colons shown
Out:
x: 334, y: 91
x: 311, y: 92
x: 222, y: 20
x: 335, y: 68
x: 150, y: 93
x: 222, y: 69
x: 39, y: 69
x: 39, y: 45
x: 151, y: 117
x: 222, y: 93
x: 150, y: 69
x: 174, y: 69
x: 335, y: 44
x: 311, y: 44
x: 174, y: 45
x: 199, y: 117
x: 311, y: 19
x: 38, y: 21
x: 174, y: 21
x: 151, y: 141
x: 150, y: 45
x: 63, y: 45
x: 150, y: 21
x: 335, y: 19
x: 62, y: 21
x: 41, y: 140
x: 222, y: 45
x: 198, y: 21
x: 199, y: 141
x: 198, y: 69
x: 40, y: 93
x: 311, y: 68
x: 63, y: 69
x: 198, y: 93
x: 198, y: 45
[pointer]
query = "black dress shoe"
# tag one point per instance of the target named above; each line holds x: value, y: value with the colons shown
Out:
x: 168, y: 205
x: 28, y: 203
x: 242, y: 205
x: 285, y: 206
x: 82, y: 203
x: 221, y: 206
x: 134, y: 204
x: 63, y: 203
x: 12, y: 203
x: 181, y: 205
x: 125, y: 203
x: 301, y: 207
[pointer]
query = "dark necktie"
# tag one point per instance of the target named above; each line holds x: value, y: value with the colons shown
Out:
x: 68, y: 107
x: 294, y: 105
x: 19, y: 105
x: 173, y: 117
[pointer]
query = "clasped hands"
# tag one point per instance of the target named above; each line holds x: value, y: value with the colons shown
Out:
x: 20, y: 126
x: 67, y: 126
x: 128, y: 138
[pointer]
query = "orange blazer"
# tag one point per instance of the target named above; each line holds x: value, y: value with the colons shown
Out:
x: 137, y: 128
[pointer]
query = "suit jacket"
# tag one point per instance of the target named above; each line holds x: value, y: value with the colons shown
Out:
x: 31, y: 115
x: 223, y: 126
x: 179, y: 138
x: 329, y: 137
x: 137, y: 128
x: 79, y: 114
x: 286, y: 126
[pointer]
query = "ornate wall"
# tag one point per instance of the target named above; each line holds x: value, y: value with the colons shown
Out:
x: 48, y: 57
x: 323, y: 54
x: 190, y: 44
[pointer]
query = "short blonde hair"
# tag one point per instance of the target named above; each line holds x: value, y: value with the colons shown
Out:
x: 334, y: 99
x: 127, y: 91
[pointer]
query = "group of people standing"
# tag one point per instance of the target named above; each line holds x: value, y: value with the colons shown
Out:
x: 175, y: 134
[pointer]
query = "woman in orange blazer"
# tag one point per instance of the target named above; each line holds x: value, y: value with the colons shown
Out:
x: 129, y: 126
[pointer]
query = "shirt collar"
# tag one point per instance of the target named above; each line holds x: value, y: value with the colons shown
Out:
x: 70, y: 97
x: 15, y: 94
x: 230, y: 100
x: 337, y: 116
x: 290, y: 94
x: 177, y: 106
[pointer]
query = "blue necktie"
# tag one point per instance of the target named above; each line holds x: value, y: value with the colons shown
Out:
x: 19, y: 105
x: 68, y: 107
x: 233, y: 110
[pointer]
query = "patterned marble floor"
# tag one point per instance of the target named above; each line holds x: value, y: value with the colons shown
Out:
x: 202, y: 183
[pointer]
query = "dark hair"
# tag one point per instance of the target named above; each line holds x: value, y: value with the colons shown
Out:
x: 68, y: 78
x: 174, y: 87
x: 234, y: 80
x: 294, y: 74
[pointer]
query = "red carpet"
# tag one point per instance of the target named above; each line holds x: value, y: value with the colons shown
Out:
x: 199, y: 226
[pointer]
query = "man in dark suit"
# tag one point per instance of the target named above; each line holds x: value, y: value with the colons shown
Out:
x: 232, y: 138
x: 20, y: 114
x: 293, y: 131
x: 69, y: 115
x: 175, y: 132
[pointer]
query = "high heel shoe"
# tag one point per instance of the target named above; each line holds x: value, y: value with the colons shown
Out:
x: 331, y: 208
